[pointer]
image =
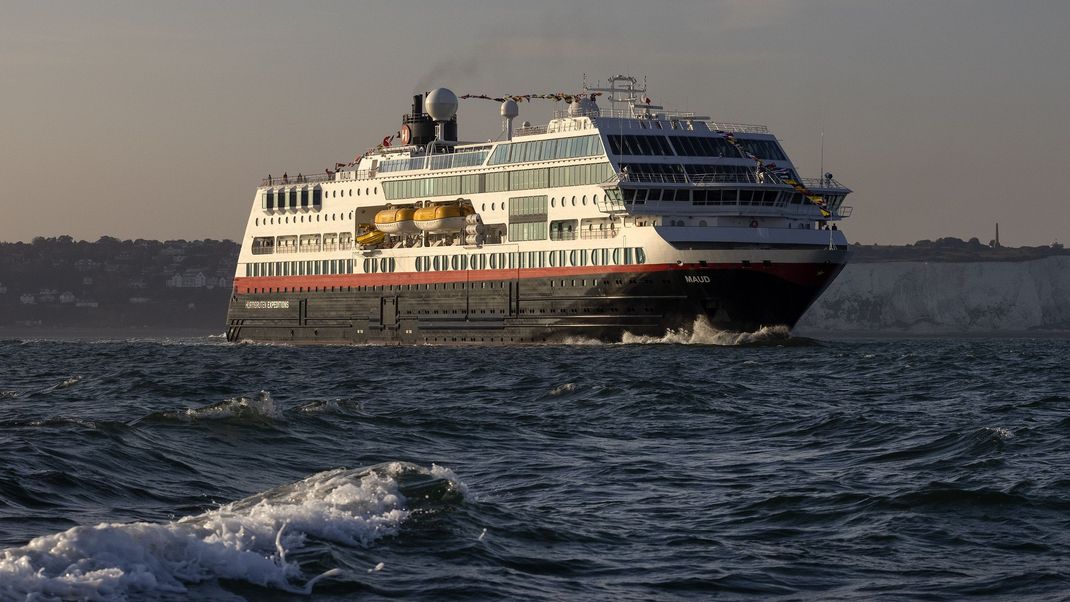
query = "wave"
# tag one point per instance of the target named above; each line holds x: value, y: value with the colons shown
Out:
x: 245, y: 541
x: 329, y: 406
x: 952, y: 447
x: 66, y: 383
x: 702, y: 332
x: 563, y: 389
x: 250, y: 408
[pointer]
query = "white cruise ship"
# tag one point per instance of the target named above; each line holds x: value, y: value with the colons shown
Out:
x: 616, y: 216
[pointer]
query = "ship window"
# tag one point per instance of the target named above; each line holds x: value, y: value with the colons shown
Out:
x: 584, y: 200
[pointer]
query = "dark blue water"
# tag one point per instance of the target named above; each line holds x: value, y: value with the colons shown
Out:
x: 774, y: 468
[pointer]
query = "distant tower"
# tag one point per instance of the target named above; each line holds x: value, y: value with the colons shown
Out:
x: 997, y: 245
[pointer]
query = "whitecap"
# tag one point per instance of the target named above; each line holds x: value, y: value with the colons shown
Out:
x: 1000, y: 433
x: 562, y: 389
x: 245, y: 541
x: 702, y: 332
x: 260, y: 406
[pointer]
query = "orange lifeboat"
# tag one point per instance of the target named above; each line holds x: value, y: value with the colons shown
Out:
x: 442, y: 218
x: 396, y: 220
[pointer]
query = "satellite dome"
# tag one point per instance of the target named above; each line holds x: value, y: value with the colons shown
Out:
x: 441, y: 104
x: 509, y: 109
x: 574, y: 109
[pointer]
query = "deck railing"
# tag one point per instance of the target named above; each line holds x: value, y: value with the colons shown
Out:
x: 667, y: 120
x: 591, y: 234
x: 316, y: 178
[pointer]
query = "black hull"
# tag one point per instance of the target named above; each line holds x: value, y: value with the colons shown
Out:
x: 535, y: 310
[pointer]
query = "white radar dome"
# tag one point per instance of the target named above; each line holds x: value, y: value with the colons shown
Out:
x: 441, y: 104
x: 509, y: 109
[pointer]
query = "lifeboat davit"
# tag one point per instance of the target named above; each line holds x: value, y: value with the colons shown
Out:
x: 441, y: 218
x: 397, y: 220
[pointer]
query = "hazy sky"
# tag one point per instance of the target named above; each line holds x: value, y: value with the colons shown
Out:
x: 157, y: 119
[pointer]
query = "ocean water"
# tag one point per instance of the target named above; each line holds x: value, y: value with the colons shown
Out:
x: 690, y: 467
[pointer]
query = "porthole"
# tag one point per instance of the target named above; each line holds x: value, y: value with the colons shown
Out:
x: 365, y: 191
x: 584, y: 200
x: 375, y: 190
x: 358, y: 192
x: 483, y: 207
x: 553, y: 202
x: 258, y: 221
x: 573, y: 201
x: 492, y: 205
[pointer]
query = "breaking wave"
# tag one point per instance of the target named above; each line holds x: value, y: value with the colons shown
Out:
x: 245, y: 541
x: 260, y: 407
x: 704, y: 333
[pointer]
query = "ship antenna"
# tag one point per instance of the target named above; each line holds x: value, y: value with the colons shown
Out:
x: 822, y: 170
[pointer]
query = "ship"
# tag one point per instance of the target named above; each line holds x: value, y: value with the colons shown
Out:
x: 615, y: 217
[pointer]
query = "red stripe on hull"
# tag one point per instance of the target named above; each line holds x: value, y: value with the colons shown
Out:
x: 798, y: 273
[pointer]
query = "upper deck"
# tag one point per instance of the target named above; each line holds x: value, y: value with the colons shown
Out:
x: 635, y: 151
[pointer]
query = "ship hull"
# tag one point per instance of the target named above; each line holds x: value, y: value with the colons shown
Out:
x: 543, y: 306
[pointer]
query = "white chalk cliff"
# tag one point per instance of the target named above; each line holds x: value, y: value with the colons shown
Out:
x: 930, y: 297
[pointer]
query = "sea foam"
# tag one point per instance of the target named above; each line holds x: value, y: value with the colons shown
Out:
x: 246, y: 541
x: 704, y: 333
